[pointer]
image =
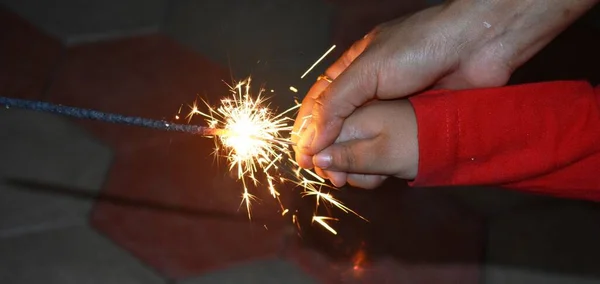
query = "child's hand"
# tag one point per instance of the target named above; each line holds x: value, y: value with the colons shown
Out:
x: 377, y: 141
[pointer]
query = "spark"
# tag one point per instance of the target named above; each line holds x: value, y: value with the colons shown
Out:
x: 317, y: 62
x: 327, y: 198
x: 322, y: 220
x: 178, y: 112
x: 293, y: 89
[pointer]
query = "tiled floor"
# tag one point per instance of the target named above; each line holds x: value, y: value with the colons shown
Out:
x: 86, y: 202
x: 61, y: 155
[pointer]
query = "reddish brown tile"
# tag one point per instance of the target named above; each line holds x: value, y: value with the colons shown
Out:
x: 169, y: 204
x: 27, y: 57
x: 414, y: 236
x: 149, y: 76
x: 179, y: 244
x: 179, y: 170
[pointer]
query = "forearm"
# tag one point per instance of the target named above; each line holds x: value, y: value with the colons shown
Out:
x: 541, y: 137
x: 512, y: 31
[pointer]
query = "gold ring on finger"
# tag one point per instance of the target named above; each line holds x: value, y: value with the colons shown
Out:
x: 326, y: 78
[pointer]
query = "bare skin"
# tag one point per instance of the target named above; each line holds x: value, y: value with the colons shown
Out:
x: 461, y: 44
x: 377, y: 141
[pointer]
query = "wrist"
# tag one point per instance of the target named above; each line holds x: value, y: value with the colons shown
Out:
x: 510, y: 32
x: 410, y: 161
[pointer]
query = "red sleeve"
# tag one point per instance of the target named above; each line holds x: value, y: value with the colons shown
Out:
x: 542, y: 137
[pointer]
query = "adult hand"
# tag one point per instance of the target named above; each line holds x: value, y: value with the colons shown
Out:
x: 462, y: 44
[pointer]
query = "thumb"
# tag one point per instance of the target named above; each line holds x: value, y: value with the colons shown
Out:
x: 354, y: 156
x: 353, y: 88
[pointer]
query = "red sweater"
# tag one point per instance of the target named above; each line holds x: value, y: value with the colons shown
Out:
x: 542, y: 137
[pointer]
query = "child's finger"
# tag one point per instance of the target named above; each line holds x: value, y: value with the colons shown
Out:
x: 338, y: 179
x: 366, y: 181
x: 321, y: 173
x: 354, y: 156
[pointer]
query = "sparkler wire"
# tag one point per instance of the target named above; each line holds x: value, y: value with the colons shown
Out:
x: 91, y: 114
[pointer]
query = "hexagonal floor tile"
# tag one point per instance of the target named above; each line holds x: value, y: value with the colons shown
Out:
x: 149, y: 76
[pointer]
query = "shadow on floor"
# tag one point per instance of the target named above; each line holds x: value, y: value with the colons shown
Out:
x: 63, y: 191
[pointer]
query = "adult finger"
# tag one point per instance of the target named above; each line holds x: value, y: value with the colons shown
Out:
x: 302, y: 120
x: 344, y: 61
x: 306, y: 109
x: 332, y: 72
x: 355, y: 86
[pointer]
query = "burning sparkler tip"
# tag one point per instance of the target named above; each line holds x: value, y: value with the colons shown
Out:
x: 250, y: 136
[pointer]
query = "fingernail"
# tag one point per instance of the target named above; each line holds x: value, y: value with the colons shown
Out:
x: 307, y: 137
x: 322, y: 160
x: 337, y: 179
x: 305, y: 162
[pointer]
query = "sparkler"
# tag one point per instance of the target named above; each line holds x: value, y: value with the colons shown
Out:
x: 91, y: 114
x: 256, y: 144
